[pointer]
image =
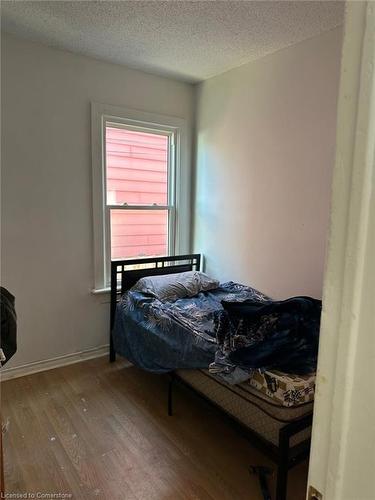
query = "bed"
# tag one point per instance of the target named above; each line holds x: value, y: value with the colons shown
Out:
x: 272, y: 409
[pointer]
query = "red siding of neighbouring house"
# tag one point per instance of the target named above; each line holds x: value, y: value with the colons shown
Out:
x: 137, y: 169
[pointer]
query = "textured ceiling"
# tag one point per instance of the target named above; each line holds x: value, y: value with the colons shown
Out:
x: 190, y: 40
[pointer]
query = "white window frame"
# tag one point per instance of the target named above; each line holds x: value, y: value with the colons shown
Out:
x: 179, y: 183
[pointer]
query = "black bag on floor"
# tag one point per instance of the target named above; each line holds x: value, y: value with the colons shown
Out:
x: 8, y: 333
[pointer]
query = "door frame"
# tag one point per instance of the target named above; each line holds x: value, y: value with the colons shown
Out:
x: 340, y: 461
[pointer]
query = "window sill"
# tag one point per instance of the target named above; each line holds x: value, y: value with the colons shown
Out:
x: 101, y: 291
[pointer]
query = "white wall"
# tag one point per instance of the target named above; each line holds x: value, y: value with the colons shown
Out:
x: 265, y: 154
x: 47, y: 241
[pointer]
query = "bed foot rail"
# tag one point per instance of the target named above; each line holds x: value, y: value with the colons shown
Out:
x: 283, y: 464
x: 282, y: 481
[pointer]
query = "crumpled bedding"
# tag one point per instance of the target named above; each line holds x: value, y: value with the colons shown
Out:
x: 234, y: 330
x: 281, y: 335
x: 164, y: 336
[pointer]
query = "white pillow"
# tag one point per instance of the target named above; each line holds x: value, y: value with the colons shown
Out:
x: 170, y: 287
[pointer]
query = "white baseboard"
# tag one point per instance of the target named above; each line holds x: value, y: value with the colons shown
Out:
x: 48, y: 364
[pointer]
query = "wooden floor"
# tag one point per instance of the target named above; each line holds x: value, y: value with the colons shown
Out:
x: 100, y: 430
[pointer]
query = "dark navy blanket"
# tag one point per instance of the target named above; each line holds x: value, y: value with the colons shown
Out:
x: 282, y: 335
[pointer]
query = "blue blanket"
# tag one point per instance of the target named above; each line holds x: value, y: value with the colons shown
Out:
x: 161, y: 337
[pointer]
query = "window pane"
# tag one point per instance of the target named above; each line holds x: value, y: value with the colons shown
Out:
x: 137, y: 167
x: 139, y: 233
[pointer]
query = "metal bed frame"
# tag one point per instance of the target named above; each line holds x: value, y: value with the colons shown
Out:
x: 124, y: 274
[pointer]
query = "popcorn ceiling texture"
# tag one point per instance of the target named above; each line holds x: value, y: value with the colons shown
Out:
x: 190, y: 40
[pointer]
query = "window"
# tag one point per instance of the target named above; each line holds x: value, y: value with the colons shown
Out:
x: 140, y: 197
x: 139, y: 191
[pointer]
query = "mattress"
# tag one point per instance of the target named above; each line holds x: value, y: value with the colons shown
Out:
x: 286, y: 389
x: 251, y: 407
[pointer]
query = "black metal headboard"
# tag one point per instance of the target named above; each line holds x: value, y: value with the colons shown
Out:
x: 126, y: 273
